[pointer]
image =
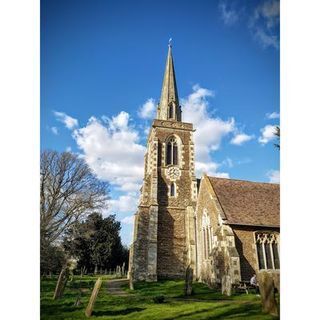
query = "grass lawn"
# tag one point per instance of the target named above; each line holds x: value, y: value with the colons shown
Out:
x: 138, y: 305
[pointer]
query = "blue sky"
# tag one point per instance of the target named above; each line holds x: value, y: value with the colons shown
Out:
x: 102, y: 64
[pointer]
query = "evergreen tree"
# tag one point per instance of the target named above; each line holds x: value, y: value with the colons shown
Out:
x: 96, y: 243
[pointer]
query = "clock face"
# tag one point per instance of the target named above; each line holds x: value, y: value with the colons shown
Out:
x: 174, y: 173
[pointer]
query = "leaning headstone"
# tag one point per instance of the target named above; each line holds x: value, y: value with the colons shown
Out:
x: 131, y: 285
x: 93, y: 297
x: 61, y: 284
x: 188, y: 281
x: 267, y: 292
x: 226, y: 286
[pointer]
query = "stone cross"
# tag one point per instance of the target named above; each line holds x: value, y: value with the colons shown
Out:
x: 188, y: 281
x: 266, y: 287
x: 226, y: 286
x: 61, y: 284
x: 93, y: 297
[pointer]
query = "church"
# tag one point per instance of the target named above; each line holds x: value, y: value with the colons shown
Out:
x: 216, y: 226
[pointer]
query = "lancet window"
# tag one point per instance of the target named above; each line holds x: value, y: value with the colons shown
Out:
x: 172, y: 189
x: 171, y: 111
x: 206, y: 234
x: 267, y: 245
x: 172, y: 152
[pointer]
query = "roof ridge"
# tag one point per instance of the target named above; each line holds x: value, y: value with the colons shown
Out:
x: 242, y: 180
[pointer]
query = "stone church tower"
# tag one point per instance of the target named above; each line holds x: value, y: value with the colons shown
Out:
x: 164, y: 226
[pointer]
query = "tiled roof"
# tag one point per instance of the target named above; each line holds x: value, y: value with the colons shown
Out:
x: 248, y: 203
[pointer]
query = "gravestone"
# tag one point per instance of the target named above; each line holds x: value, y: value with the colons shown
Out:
x: 226, y: 285
x: 93, y: 297
x: 131, y: 285
x: 188, y: 281
x: 118, y: 271
x: 61, y: 284
x: 122, y: 269
x: 267, y: 292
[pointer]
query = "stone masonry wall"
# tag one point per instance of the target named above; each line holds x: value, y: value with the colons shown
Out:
x: 171, y: 243
x: 140, y: 245
x: 204, y: 202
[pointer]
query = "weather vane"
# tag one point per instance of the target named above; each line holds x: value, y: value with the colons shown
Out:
x: 170, y: 42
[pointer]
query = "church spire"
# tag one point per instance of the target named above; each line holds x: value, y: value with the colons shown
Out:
x: 168, y: 108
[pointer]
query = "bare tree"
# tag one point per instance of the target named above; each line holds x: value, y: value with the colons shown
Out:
x: 69, y: 191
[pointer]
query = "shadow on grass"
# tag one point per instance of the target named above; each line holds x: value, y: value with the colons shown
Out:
x: 52, y: 309
x: 122, y: 312
x: 227, y: 311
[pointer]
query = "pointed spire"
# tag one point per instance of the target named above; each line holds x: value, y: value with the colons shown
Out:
x: 168, y: 108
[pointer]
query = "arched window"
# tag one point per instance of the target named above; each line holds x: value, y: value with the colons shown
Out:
x: 172, y: 151
x: 172, y: 190
x: 268, y: 250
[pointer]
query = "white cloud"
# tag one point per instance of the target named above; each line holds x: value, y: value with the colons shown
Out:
x: 266, y: 39
x: 112, y: 150
x: 128, y: 220
x: 125, y: 203
x: 273, y: 115
x: 148, y: 109
x: 129, y: 186
x: 267, y: 134
x: 228, y: 162
x: 54, y: 130
x: 270, y: 10
x: 264, y: 23
x: 68, y: 149
x: 210, y: 168
x: 209, y: 129
x: 228, y: 14
x: 68, y: 121
x: 274, y: 176
x: 240, y: 138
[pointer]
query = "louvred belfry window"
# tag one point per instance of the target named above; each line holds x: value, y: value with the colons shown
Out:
x: 172, y: 152
x: 267, y: 245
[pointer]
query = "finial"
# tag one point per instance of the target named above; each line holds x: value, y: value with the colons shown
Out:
x: 170, y: 42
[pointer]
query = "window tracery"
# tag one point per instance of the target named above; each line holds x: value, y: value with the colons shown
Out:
x: 267, y: 245
x: 172, y: 152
